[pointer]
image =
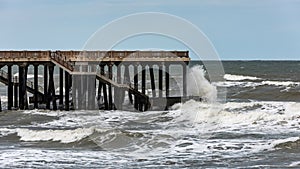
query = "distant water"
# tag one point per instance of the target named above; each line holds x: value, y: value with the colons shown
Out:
x: 257, y: 127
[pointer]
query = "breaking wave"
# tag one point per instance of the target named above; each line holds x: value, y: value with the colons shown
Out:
x: 198, y: 85
x: 239, y: 77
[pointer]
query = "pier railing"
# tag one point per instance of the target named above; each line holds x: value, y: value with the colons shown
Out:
x: 29, y: 55
x: 123, y: 55
x: 62, y: 60
x: 65, y: 57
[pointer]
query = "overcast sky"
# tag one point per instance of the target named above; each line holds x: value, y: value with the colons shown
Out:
x: 239, y: 29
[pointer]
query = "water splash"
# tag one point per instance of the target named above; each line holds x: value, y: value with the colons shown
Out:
x: 198, y: 85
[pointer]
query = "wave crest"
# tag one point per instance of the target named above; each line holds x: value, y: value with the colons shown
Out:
x: 231, y: 77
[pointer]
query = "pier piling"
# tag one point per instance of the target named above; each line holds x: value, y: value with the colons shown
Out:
x: 9, y: 87
x: 77, y: 74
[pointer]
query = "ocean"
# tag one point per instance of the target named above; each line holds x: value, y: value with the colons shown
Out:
x: 257, y: 126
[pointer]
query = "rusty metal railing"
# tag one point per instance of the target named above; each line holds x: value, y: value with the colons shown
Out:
x: 62, y: 60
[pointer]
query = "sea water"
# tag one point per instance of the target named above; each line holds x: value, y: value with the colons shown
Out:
x: 256, y: 127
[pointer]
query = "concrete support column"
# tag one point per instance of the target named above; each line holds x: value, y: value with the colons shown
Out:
x: 22, y: 86
x: 92, y: 87
x: 167, y: 76
x: 36, y: 87
x: 80, y: 96
x: 67, y: 91
x: 9, y: 88
x: 144, y: 79
x: 127, y: 81
x: 152, y: 81
x: 16, y: 103
x: 99, y: 92
x: 84, y: 91
x: 160, y: 81
x: 51, y: 90
x: 136, y: 86
x: 45, y: 83
x: 104, y: 88
x: 118, y: 93
x: 184, y: 83
x: 61, y: 87
x: 110, y: 76
x: 91, y: 91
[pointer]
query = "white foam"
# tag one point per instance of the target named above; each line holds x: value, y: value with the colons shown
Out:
x: 63, y: 136
x: 295, y: 164
x: 6, y: 131
x: 236, y: 83
x: 58, y: 89
x: 280, y: 141
x: 29, y: 76
x: 4, y: 98
x: 50, y: 158
x: 239, y: 77
x: 255, y: 84
x: 260, y: 113
x: 281, y: 83
x: 198, y: 85
x: 254, y: 117
x: 45, y: 112
x: 233, y: 115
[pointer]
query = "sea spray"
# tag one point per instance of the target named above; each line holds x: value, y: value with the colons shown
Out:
x: 206, y: 111
x: 198, y: 85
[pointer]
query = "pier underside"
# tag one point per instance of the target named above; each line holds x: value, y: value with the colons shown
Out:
x: 123, y: 80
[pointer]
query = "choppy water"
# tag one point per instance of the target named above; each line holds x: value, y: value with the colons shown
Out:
x: 258, y: 127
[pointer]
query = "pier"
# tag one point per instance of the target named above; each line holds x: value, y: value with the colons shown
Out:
x: 90, y: 80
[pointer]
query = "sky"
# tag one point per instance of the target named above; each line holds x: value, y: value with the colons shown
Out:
x: 238, y: 29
